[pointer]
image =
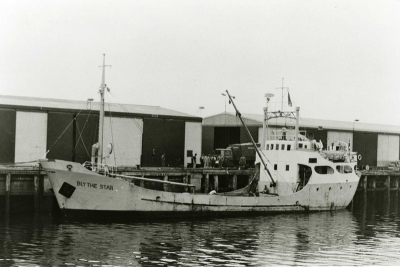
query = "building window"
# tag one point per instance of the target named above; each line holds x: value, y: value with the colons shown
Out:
x: 275, y: 167
x: 277, y: 146
x: 287, y: 167
x: 272, y: 146
x: 268, y: 147
x: 305, y: 146
x: 300, y: 145
x: 312, y: 160
x: 282, y: 147
x: 288, y: 147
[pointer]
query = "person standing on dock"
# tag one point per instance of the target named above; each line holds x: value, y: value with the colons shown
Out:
x: 242, y: 162
x: 202, y: 161
x: 212, y: 160
x: 194, y: 161
x: 208, y: 161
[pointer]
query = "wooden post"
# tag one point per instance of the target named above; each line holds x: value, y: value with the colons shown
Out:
x: 8, y: 189
x: 396, y: 195
x: 388, y: 194
x: 166, y: 186
x: 186, y: 181
x: 36, y: 184
x: 207, y: 183
x: 216, y: 183
x: 141, y: 181
x: 234, y: 182
x: 374, y: 184
x: 365, y: 189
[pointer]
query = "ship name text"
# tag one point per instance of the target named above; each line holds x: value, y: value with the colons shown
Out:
x: 94, y: 185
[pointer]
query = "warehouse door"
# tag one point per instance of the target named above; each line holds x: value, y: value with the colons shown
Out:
x: 388, y: 149
x: 366, y: 145
x: 163, y: 136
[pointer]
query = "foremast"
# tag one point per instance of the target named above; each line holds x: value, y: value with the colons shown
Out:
x: 101, y: 122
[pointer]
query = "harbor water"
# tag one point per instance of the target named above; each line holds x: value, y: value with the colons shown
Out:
x: 367, y: 233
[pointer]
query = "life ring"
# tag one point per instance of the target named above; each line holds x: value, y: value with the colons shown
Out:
x: 359, y: 157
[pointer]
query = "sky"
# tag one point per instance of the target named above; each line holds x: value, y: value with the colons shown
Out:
x: 339, y: 59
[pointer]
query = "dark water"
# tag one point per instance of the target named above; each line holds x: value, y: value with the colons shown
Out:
x: 367, y: 234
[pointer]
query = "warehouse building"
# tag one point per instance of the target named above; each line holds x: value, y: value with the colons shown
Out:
x: 378, y: 145
x: 35, y: 128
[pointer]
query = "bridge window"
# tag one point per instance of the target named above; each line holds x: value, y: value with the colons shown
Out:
x: 323, y: 169
x: 300, y: 145
x: 277, y: 147
x: 268, y: 147
x: 288, y: 147
x: 275, y: 167
x: 287, y: 167
x: 272, y: 146
x: 312, y: 160
x: 282, y: 147
x: 344, y: 169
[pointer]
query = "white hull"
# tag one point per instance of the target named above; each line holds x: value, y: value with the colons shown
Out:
x: 94, y: 192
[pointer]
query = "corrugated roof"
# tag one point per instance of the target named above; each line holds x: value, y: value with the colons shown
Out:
x: 257, y: 119
x: 48, y: 103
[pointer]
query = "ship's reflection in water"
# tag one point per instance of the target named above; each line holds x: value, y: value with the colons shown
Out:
x: 367, y: 235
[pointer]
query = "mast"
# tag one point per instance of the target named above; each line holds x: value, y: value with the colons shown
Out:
x: 101, y: 123
x: 251, y: 138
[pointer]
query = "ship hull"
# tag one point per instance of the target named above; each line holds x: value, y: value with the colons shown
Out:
x: 82, y: 192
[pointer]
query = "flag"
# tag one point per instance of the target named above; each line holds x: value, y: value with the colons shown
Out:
x: 289, y: 101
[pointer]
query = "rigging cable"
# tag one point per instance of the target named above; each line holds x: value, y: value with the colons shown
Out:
x: 112, y: 134
x: 80, y: 135
x: 74, y: 119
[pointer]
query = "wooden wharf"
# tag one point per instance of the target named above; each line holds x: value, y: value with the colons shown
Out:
x: 27, y: 189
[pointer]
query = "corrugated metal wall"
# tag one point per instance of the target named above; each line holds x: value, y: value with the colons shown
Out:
x: 192, y: 140
x: 86, y: 135
x: 244, y: 136
x: 334, y: 136
x: 126, y: 136
x: 207, y: 140
x: 7, y: 135
x: 224, y: 136
x: 366, y: 145
x: 388, y: 149
x: 60, y: 135
x: 31, y: 136
x: 163, y: 136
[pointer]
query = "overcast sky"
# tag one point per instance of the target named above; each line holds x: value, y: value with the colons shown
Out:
x: 340, y: 59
